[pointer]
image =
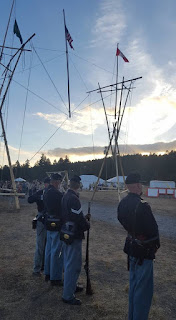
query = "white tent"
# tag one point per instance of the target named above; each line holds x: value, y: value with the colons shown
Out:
x: 162, y: 184
x: 114, y: 180
x: 87, y: 179
x: 19, y: 180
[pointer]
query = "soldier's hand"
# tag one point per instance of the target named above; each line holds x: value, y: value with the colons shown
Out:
x: 88, y: 216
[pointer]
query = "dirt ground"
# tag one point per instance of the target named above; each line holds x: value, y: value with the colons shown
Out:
x: 166, y: 205
x: 24, y: 296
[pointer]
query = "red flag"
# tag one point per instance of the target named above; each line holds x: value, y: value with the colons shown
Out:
x: 68, y: 37
x: 119, y: 53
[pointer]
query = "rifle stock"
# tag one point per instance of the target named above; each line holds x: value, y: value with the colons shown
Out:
x: 89, y: 290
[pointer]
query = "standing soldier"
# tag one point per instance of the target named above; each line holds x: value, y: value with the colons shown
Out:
x: 141, y: 245
x: 53, y: 254
x: 41, y: 231
x: 72, y: 233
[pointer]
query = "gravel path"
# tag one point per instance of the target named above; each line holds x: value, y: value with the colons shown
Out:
x: 166, y: 224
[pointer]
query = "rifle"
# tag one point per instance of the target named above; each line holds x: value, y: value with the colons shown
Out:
x: 89, y: 290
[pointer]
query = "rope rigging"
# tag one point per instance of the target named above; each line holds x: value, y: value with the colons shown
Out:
x: 92, y: 130
x: 93, y: 64
x: 78, y: 73
x: 35, y: 94
x: 49, y: 77
x: 39, y: 64
x: 24, y: 114
x: 48, y: 139
x: 76, y: 108
x: 94, y: 102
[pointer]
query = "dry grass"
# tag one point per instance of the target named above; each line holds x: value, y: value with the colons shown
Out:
x: 25, y: 297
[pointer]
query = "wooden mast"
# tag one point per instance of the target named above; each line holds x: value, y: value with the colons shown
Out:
x: 2, y: 123
x: 117, y: 129
x: 6, y: 30
x: 68, y: 80
x: 10, y: 164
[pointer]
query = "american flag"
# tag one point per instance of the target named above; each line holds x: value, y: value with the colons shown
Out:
x: 68, y: 37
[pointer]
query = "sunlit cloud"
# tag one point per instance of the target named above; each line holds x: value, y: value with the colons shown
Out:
x: 150, y: 119
x: 82, y: 122
x: 78, y: 154
x: 90, y: 153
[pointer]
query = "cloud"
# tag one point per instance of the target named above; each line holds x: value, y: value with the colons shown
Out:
x: 168, y: 135
x: 149, y: 120
x: 109, y: 25
x: 78, y: 154
x: 82, y: 122
x: 158, y: 148
x: 153, y: 90
x: 90, y: 152
x: 14, y: 152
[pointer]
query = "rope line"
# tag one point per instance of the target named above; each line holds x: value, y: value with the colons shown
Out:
x: 44, y: 62
x: 35, y: 94
x: 96, y: 101
x: 50, y: 78
x: 80, y: 104
x: 93, y: 64
x: 24, y: 114
x: 79, y: 74
x: 48, y: 139
x: 47, y: 49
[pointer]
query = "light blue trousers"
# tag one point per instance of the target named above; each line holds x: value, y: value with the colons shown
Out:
x: 141, y: 289
x: 54, y: 256
x: 72, y: 268
x: 40, y: 246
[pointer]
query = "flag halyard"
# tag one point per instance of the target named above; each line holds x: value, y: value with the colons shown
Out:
x: 68, y: 37
x: 119, y: 53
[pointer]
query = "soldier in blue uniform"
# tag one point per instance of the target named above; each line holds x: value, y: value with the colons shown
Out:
x: 141, y: 245
x: 40, y: 229
x: 53, y: 253
x: 72, y: 232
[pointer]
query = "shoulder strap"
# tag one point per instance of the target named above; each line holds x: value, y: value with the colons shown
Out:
x: 134, y: 221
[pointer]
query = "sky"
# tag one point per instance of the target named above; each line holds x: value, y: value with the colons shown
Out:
x: 36, y: 108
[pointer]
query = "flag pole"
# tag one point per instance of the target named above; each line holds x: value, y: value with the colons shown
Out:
x: 116, y: 133
x: 68, y: 83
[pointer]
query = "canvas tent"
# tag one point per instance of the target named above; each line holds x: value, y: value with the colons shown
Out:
x: 113, y: 180
x: 88, y: 180
x: 162, y: 184
x: 19, y: 180
x: 164, y: 188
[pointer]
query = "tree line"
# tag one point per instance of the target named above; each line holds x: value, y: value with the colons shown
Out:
x: 151, y: 167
